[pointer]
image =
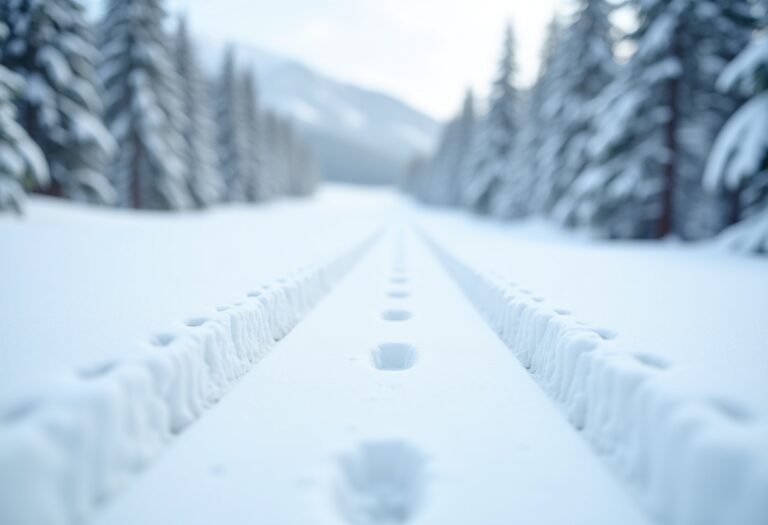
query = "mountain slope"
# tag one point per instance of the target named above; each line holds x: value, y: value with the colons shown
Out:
x: 358, y: 135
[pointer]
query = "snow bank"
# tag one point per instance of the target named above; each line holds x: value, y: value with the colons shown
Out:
x: 691, y: 457
x: 69, y: 449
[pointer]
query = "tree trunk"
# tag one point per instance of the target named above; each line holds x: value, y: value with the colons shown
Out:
x: 666, y: 221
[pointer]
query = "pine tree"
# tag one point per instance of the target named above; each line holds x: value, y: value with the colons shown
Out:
x: 249, y: 123
x: 582, y: 65
x: 269, y: 155
x: 657, y: 119
x: 739, y: 159
x: 307, y: 172
x: 21, y: 161
x: 540, y: 125
x: 445, y: 177
x: 459, y: 168
x: 713, y: 33
x: 50, y: 44
x: 283, y: 144
x: 233, y: 137
x: 494, y: 141
x: 201, y: 158
x: 143, y: 107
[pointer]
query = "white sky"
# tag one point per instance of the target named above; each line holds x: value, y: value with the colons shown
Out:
x: 425, y: 52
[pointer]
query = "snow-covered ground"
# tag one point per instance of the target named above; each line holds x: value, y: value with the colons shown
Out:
x: 86, y: 285
x: 698, y: 309
x: 392, y: 401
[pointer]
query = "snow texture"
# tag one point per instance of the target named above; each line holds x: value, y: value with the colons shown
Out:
x: 690, y: 458
x: 69, y: 449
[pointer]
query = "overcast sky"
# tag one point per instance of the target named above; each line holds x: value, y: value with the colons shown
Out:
x: 425, y: 52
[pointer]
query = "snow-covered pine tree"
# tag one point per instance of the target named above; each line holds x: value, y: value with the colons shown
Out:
x: 308, y: 172
x: 50, y: 44
x: 445, y: 178
x: 657, y: 120
x: 283, y: 156
x: 539, y: 126
x: 719, y: 30
x: 249, y: 124
x: 414, y: 172
x: 269, y: 155
x: 233, y: 137
x: 465, y: 132
x: 739, y: 159
x: 201, y: 157
x: 21, y: 161
x: 581, y: 66
x: 495, y: 137
x: 143, y: 107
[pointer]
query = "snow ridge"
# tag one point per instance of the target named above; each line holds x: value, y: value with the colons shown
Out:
x: 691, y: 458
x: 69, y: 450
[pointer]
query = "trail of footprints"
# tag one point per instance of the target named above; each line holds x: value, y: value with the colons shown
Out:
x: 383, y: 482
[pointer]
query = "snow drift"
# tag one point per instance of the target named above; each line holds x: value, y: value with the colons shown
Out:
x: 71, y: 448
x: 690, y: 457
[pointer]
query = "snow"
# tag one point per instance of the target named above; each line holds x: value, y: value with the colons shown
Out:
x: 302, y: 111
x: 740, y: 150
x: 173, y: 268
x: 318, y: 434
x: 352, y: 118
x: 457, y: 370
x: 657, y: 354
x: 741, y: 73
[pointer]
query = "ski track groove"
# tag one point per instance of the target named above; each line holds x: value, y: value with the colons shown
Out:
x: 69, y: 450
x: 689, y: 458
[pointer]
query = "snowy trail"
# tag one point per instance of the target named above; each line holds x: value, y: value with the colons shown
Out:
x: 407, y: 407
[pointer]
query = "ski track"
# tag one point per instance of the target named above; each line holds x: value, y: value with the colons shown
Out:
x: 364, y: 418
x: 69, y: 450
x: 691, y: 459
x: 365, y: 438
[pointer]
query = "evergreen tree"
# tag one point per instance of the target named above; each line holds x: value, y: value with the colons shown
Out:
x: 233, y: 137
x: 21, y: 161
x: 540, y: 125
x: 50, y: 45
x: 581, y: 66
x: 459, y: 167
x: 739, y: 159
x: 307, y: 172
x: 657, y: 120
x: 445, y: 177
x: 494, y: 141
x: 143, y: 108
x: 201, y: 158
x: 283, y: 153
x: 249, y: 124
x: 269, y: 155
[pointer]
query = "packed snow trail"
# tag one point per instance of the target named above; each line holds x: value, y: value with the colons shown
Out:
x: 392, y: 402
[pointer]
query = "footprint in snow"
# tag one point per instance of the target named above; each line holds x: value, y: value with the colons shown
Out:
x: 393, y: 356
x: 381, y: 483
x: 163, y: 339
x: 396, y: 315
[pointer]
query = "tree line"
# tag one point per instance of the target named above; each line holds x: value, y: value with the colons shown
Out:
x: 121, y: 113
x: 668, y: 137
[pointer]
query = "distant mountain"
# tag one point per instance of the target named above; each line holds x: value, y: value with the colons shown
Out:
x: 358, y: 135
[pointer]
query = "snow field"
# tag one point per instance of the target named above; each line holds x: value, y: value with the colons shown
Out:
x: 452, y: 430
x: 71, y: 448
x: 691, y: 458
